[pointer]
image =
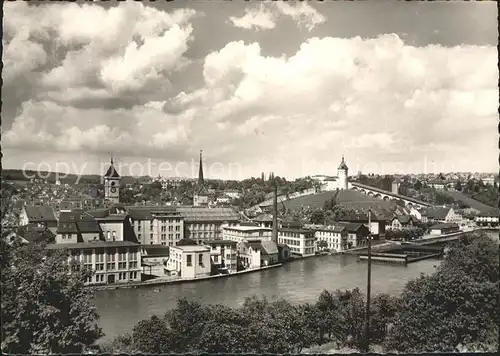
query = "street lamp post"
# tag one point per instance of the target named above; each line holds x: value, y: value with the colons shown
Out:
x: 368, y: 285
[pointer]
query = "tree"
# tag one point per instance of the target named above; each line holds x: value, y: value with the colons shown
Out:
x: 458, y: 186
x: 457, y: 305
x: 152, y: 336
x: 45, y: 306
x: 417, y: 185
x: 322, y: 244
x: 318, y: 217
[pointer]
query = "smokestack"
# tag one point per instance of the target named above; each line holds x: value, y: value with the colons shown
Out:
x: 275, y: 212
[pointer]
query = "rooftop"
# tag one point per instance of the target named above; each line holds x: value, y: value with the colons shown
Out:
x: 192, y: 248
x: 247, y: 228
x: 92, y: 244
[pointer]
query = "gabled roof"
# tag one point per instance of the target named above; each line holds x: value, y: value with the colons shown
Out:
x: 156, y: 251
x: 438, y: 213
x: 443, y: 226
x: 269, y: 247
x: 263, y: 218
x: 98, y: 213
x: 40, y: 213
x: 404, y: 219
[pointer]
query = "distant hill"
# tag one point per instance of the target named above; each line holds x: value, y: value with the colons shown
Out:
x: 348, y: 198
x: 18, y: 175
x: 457, y: 196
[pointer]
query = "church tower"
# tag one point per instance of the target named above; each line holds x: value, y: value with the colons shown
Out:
x: 112, y: 184
x: 200, y: 197
x: 342, y: 174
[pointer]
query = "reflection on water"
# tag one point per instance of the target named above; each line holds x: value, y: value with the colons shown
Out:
x: 299, y: 281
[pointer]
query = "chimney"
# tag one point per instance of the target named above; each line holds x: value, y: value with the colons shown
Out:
x: 275, y: 212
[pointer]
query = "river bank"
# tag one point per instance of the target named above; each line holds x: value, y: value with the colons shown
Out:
x: 177, y: 280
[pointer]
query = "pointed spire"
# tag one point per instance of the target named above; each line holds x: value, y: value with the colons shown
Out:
x: 201, y: 181
x: 111, y: 158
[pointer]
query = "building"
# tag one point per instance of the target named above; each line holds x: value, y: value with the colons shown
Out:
x: 256, y: 253
x: 246, y: 233
x: 200, y: 197
x: 300, y: 241
x: 189, y: 261
x: 112, y: 184
x: 401, y: 222
x: 331, y: 237
x: 223, y: 254
x: 232, y: 193
x: 75, y: 203
x: 376, y: 225
x: 488, y: 218
x: 442, y: 214
x: 443, y: 228
x: 339, y: 182
x: 223, y: 199
x: 264, y: 220
x: 416, y: 213
x: 202, y: 224
x: 284, y: 253
x: 154, y: 259
x: 41, y: 216
x: 113, y: 260
x: 356, y: 234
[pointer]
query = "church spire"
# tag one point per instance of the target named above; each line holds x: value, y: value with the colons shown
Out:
x: 111, y: 158
x: 201, y: 181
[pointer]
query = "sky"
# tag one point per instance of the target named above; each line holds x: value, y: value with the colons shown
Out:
x: 288, y: 87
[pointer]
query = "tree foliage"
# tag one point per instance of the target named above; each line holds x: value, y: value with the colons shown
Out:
x: 45, y: 306
x: 455, y: 305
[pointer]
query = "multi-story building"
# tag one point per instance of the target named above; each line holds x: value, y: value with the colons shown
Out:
x: 223, y: 254
x: 442, y: 214
x: 488, y: 218
x: 334, y: 237
x: 401, y: 222
x: 246, y: 233
x: 256, y: 253
x: 202, y: 224
x: 191, y: 261
x: 157, y: 225
x: 113, y: 260
x: 301, y: 241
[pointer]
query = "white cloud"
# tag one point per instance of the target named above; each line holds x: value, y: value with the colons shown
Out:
x: 368, y: 98
x: 128, y: 48
x: 304, y: 14
x: 260, y: 18
x: 265, y: 16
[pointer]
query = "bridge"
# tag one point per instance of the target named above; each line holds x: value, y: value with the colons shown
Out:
x: 385, y: 195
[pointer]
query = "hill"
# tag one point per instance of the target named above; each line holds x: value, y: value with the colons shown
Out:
x: 348, y: 198
x: 457, y: 196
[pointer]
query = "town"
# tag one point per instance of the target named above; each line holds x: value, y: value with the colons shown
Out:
x: 146, y: 242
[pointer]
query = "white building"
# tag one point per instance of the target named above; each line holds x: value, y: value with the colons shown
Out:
x: 191, y: 261
x: 300, y: 241
x: 246, y: 233
x: 223, y: 254
x: 232, y: 193
x: 334, y: 183
x: 490, y: 218
x: 334, y: 236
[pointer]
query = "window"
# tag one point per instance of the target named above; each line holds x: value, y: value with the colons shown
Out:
x: 170, y: 228
x: 163, y: 228
x: 163, y: 236
x: 177, y: 236
x: 108, y: 235
x: 170, y: 236
x: 200, y: 259
x: 189, y: 260
x: 216, y: 259
x: 177, y: 228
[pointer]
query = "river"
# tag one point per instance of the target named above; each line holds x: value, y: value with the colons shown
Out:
x: 298, y: 281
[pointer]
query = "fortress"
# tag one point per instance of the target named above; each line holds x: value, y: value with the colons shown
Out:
x: 331, y: 183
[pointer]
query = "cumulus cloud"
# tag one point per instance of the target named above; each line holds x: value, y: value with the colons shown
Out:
x: 265, y: 16
x: 368, y: 98
x: 129, y: 48
x: 259, y: 18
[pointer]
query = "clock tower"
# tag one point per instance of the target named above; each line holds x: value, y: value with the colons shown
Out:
x: 112, y: 184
